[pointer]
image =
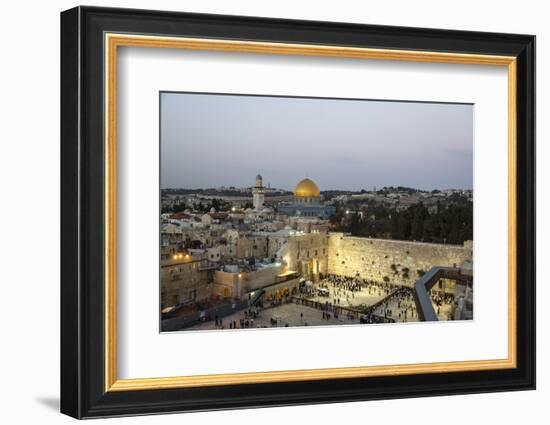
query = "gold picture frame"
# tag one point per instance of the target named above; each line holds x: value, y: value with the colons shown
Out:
x: 114, y: 41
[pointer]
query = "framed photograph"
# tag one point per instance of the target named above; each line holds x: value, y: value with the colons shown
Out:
x: 261, y: 212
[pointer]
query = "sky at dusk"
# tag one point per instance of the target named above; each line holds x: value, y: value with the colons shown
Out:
x: 225, y: 140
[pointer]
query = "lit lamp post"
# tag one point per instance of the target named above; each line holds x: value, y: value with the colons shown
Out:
x: 239, y: 276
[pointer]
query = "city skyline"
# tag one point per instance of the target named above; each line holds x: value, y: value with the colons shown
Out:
x: 269, y: 185
x: 237, y: 258
x: 424, y: 146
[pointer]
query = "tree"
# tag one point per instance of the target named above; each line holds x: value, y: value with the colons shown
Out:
x: 336, y: 218
x: 215, y: 204
x: 403, y: 226
x: 448, y: 224
x: 419, y: 214
x: 355, y: 224
x: 179, y: 207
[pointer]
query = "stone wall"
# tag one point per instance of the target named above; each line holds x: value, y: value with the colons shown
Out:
x: 306, y: 253
x: 271, y: 291
x: 401, y: 261
x: 259, y: 278
x: 243, y: 282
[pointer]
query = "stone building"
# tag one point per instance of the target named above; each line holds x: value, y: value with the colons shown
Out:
x: 306, y: 253
x: 246, y: 246
x: 307, y: 202
x: 171, y: 238
x: 309, y: 224
x: 258, y: 193
x: 242, y: 280
x: 184, y: 278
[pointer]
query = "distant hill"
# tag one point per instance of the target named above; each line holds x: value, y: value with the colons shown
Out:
x: 237, y: 192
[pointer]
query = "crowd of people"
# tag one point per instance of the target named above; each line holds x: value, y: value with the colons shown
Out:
x: 396, y: 303
x: 443, y: 305
x: 347, y: 291
x: 352, y: 285
x: 245, y: 321
x: 374, y: 319
x: 400, y: 307
x: 355, y: 297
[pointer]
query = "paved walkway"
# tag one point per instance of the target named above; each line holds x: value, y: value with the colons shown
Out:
x: 366, y: 296
x: 285, y: 314
x: 402, y: 310
x: 445, y: 311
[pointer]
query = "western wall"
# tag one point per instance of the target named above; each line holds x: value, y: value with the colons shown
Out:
x: 400, y: 262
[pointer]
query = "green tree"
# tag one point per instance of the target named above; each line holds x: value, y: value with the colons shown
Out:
x: 355, y: 224
x: 419, y: 214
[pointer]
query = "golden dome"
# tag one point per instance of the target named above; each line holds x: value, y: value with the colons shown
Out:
x: 307, y: 189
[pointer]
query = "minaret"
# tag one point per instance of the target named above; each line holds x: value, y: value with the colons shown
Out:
x: 258, y: 193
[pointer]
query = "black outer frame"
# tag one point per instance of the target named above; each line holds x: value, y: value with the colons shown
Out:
x: 82, y: 212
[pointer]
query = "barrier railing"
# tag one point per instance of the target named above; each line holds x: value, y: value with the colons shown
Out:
x: 423, y: 286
